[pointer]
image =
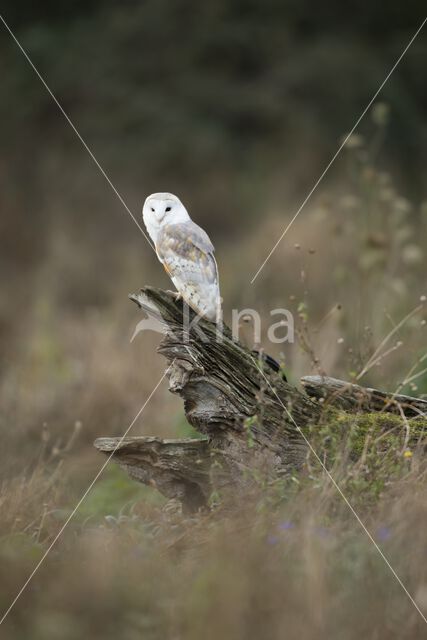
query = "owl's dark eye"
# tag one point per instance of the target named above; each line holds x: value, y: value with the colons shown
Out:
x: 168, y: 209
x: 152, y: 209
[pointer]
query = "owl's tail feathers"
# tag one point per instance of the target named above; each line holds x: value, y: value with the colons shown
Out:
x: 218, y: 308
x: 211, y: 307
x: 219, y: 318
x: 213, y: 313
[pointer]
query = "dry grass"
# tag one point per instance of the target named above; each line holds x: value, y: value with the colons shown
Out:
x: 291, y: 563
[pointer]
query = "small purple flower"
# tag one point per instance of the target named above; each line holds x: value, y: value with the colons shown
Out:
x: 286, y: 525
x: 272, y: 539
x: 383, y: 533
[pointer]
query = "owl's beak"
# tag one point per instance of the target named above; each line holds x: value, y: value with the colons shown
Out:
x: 159, y: 216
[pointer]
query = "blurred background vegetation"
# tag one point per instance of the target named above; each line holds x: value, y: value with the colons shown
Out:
x: 237, y: 106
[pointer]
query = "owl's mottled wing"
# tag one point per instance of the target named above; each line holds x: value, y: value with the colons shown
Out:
x: 188, y: 257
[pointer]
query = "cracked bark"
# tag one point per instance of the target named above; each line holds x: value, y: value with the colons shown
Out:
x: 236, y: 401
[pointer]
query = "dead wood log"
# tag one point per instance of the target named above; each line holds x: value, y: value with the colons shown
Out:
x: 179, y: 468
x: 230, y: 396
x: 249, y: 415
x: 351, y: 397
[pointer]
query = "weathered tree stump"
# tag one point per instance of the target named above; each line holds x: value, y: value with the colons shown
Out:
x: 248, y: 414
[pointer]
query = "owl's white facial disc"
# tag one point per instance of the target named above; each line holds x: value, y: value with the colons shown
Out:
x: 160, y: 209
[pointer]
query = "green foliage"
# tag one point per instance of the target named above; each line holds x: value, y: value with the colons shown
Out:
x: 183, y: 429
x: 115, y: 493
x: 249, y: 425
x: 20, y: 547
x: 367, y: 452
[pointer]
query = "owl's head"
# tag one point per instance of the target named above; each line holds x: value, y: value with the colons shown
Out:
x: 163, y: 208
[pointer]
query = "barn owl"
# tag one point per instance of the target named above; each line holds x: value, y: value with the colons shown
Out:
x: 186, y: 253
